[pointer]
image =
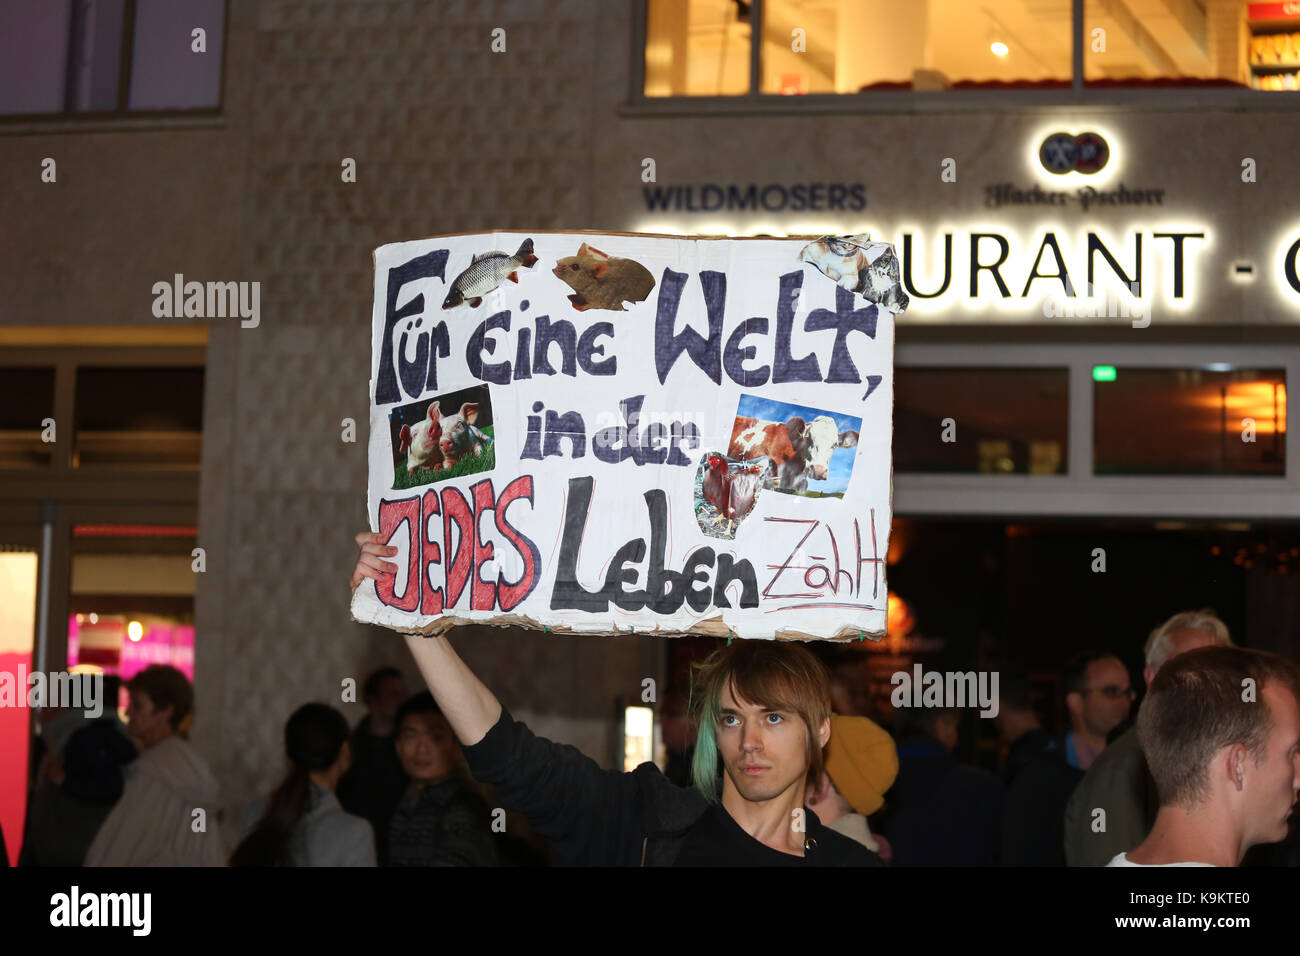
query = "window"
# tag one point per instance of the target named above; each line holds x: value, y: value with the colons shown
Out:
x: 1189, y: 421
x: 1003, y: 420
x: 1144, y: 44
x: 795, y: 47
x: 139, y: 417
x: 1163, y: 431
x: 1274, y: 57
x: 696, y: 48
x: 109, y: 56
x: 26, y: 406
x: 132, y: 597
x: 702, y: 47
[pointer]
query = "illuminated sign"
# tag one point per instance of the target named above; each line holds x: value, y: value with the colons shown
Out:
x: 1029, y: 257
x: 1273, y: 11
x: 1007, y: 194
x: 1057, y: 272
x: 980, y: 245
x: 1062, y: 153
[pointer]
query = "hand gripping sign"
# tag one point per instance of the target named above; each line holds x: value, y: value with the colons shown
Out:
x: 605, y: 433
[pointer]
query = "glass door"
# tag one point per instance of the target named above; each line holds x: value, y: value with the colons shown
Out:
x: 19, y: 593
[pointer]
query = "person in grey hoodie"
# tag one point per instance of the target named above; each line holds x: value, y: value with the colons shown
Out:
x: 302, y: 823
x: 167, y: 815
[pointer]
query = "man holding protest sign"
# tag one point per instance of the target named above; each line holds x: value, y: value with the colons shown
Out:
x: 764, y: 709
x: 785, y: 403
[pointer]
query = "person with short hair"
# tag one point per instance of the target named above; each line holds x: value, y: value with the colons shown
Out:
x: 78, y: 779
x: 678, y: 736
x: 301, y: 823
x: 941, y: 812
x: 77, y: 790
x: 1118, y: 782
x: 1098, y: 698
x: 440, y: 819
x: 1220, y: 728
x: 374, y: 782
x: 764, y: 718
x: 168, y: 788
x: 1037, y: 779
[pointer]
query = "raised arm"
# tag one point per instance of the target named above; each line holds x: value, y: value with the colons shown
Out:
x: 469, y: 706
x: 591, y: 816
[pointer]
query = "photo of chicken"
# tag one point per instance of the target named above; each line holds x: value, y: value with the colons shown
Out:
x: 726, y: 491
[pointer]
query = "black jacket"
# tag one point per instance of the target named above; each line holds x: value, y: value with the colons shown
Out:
x: 374, y: 783
x: 1039, y: 783
x: 595, y: 817
x: 443, y: 824
x: 942, y: 813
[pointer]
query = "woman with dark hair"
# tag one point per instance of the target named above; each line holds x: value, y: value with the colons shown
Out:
x: 301, y: 823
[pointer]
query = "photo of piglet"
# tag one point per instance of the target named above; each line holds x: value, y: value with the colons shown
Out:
x: 602, y: 281
x: 442, y: 437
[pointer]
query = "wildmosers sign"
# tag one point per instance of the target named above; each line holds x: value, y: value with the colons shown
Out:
x: 756, y: 197
x: 607, y: 433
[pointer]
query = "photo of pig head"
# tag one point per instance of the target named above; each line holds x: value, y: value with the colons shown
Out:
x: 460, y: 439
x: 441, y: 437
x: 422, y: 444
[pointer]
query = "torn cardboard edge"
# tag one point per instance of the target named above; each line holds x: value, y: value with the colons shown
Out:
x: 712, y: 627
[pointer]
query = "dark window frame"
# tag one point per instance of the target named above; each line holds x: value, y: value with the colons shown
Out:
x: 61, y: 480
x: 964, y: 422
x: 125, y: 64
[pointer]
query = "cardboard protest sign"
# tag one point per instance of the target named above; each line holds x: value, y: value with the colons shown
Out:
x: 608, y: 433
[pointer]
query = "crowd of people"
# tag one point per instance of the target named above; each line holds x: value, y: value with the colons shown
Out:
x: 392, y: 791
x: 770, y: 762
x: 1099, y: 791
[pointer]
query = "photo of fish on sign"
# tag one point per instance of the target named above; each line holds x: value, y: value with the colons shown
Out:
x: 442, y: 437
x: 810, y: 451
x: 485, y: 272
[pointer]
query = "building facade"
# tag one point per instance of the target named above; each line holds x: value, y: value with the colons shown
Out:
x: 464, y: 117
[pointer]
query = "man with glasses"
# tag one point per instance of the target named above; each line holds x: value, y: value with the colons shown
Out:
x: 1115, y: 804
x: 1098, y: 697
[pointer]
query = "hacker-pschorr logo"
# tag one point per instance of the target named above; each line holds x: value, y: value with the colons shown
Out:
x: 102, y: 909
x: 1063, y: 153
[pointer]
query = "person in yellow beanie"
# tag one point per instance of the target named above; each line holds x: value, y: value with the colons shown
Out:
x: 861, y: 764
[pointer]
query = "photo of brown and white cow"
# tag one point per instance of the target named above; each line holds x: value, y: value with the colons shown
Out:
x: 796, y: 449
